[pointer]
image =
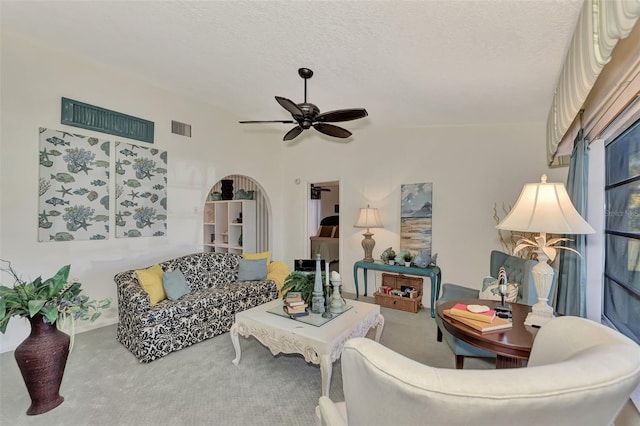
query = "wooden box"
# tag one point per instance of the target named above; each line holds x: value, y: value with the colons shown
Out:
x: 397, y: 281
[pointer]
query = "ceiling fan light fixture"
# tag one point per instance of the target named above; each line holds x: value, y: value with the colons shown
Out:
x: 308, y: 115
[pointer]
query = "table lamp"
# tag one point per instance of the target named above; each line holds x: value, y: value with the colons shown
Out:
x: 544, y: 207
x: 368, y: 218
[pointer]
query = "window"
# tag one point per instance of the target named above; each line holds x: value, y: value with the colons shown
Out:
x: 622, y: 233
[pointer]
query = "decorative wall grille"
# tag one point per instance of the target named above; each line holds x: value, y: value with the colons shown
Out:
x: 85, y: 116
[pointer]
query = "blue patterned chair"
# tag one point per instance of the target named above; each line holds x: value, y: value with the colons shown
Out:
x: 518, y: 271
x: 151, y: 332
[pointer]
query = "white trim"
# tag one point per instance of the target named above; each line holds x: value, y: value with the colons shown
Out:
x: 594, y: 253
x: 622, y: 121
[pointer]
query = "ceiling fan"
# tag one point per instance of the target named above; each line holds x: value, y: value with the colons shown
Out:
x: 316, y: 191
x: 306, y: 115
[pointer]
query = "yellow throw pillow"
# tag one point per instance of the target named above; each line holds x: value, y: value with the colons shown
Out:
x: 151, y: 281
x: 257, y: 256
x: 278, y: 272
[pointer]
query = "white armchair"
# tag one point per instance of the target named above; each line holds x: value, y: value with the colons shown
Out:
x: 579, y: 373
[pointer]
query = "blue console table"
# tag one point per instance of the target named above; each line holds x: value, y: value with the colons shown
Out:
x: 433, y: 273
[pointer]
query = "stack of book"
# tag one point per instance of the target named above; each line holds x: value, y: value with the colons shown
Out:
x: 484, y: 322
x: 294, y: 305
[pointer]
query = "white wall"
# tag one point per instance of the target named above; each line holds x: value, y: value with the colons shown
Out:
x: 32, y: 83
x: 329, y: 200
x: 471, y: 169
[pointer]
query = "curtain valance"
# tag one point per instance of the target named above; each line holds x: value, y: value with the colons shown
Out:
x: 602, y: 23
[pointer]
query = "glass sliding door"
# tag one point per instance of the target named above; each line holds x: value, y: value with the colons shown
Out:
x: 622, y: 233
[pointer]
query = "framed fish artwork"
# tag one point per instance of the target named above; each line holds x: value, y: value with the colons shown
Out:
x: 73, y: 198
x: 141, y: 191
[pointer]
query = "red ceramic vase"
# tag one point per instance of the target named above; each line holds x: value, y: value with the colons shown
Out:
x: 42, y: 357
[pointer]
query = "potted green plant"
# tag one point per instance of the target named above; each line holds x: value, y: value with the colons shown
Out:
x: 388, y: 256
x: 42, y: 356
x: 405, y: 257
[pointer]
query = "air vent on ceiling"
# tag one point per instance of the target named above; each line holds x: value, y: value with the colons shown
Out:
x: 182, y: 129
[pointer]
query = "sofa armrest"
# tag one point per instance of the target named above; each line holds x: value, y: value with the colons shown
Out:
x: 131, y: 296
x: 329, y: 413
x: 455, y: 292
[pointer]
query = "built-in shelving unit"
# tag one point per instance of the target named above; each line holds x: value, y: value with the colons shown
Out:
x: 230, y: 226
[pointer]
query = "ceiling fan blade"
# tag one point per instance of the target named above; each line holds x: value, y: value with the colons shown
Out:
x: 331, y: 130
x: 290, y: 106
x: 291, y: 134
x: 342, y: 115
x: 265, y: 121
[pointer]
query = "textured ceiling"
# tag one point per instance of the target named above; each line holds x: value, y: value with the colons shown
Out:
x: 417, y: 63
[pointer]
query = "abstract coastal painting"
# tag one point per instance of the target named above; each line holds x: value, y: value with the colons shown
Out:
x: 141, y: 191
x: 415, y: 217
x: 73, y: 201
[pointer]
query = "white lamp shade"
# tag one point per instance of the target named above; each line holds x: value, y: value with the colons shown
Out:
x: 368, y: 218
x: 545, y: 207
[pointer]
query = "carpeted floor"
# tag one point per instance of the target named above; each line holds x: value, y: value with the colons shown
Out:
x: 105, y: 385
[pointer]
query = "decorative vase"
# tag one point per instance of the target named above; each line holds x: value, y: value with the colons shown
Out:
x: 317, y: 301
x: 42, y: 358
x: 391, y: 261
x: 227, y: 189
x: 407, y: 264
x: 241, y: 194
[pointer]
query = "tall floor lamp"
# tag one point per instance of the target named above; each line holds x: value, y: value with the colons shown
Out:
x: 544, y: 207
x: 368, y: 218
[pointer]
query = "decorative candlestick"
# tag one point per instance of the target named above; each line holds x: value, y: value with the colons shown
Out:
x: 317, y: 301
x: 327, y: 301
x: 504, y: 310
x: 337, y: 304
x: 502, y: 285
x: 327, y: 291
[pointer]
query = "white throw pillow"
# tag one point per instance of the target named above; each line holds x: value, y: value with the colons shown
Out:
x: 490, y: 290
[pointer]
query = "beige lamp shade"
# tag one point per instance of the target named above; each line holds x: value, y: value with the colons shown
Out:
x: 545, y: 207
x: 368, y: 218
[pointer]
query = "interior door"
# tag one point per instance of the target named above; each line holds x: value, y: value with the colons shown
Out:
x: 324, y: 222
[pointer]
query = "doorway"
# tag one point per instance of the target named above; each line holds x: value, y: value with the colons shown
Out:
x: 324, y: 222
x: 261, y: 231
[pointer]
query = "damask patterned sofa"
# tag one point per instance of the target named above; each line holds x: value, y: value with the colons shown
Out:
x: 151, y: 332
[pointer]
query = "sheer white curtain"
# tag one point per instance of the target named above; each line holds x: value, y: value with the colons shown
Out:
x: 315, y: 216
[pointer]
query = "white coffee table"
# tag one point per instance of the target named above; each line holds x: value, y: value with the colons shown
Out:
x: 319, y: 345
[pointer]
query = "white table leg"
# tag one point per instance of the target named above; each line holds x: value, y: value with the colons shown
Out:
x: 380, y: 327
x: 236, y: 343
x: 326, y: 368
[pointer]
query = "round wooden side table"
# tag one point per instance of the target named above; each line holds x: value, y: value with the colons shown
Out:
x: 511, y: 346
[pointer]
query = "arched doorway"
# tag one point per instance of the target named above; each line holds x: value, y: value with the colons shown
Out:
x: 226, y: 225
